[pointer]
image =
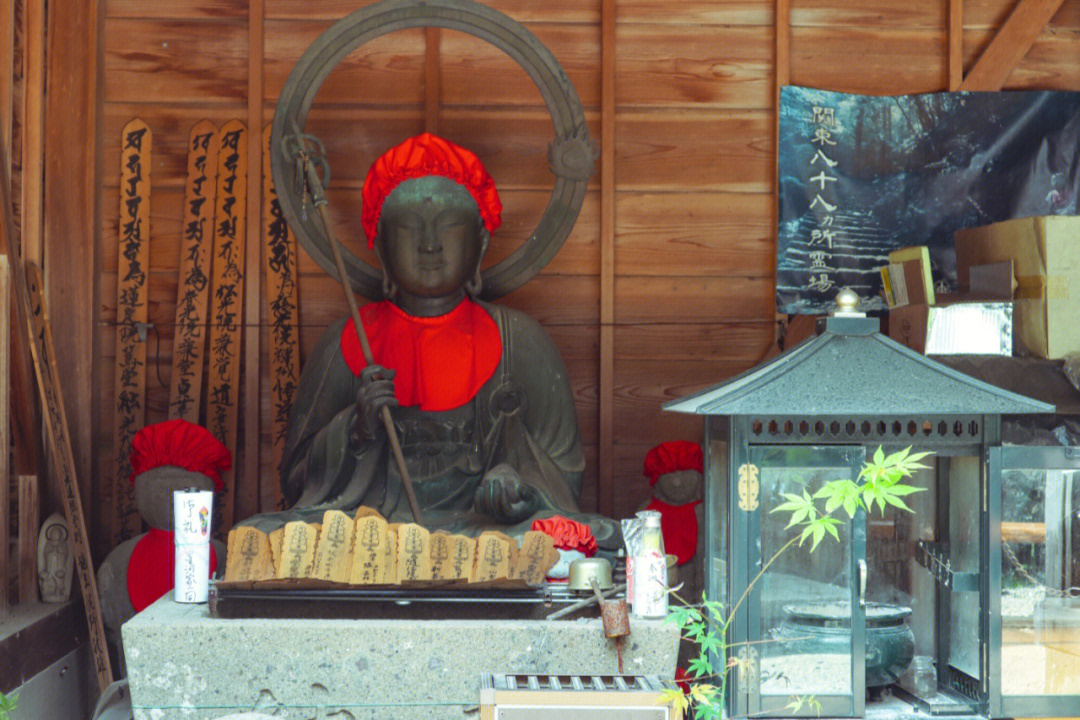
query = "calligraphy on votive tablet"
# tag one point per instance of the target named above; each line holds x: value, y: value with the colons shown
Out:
x: 279, y: 265
x: 226, y: 298
x: 193, y: 281
x: 131, y: 315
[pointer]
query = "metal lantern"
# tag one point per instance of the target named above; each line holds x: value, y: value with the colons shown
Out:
x: 903, y: 617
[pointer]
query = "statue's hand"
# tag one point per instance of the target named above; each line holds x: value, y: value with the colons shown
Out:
x: 376, y: 392
x: 503, y: 496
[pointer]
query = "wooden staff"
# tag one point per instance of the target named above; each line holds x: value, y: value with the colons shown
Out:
x: 318, y: 199
x: 34, y: 326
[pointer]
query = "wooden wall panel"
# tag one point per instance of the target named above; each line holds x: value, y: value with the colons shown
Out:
x: 890, y: 62
x: 733, y: 340
x: 696, y: 12
x: 182, y: 9
x: 475, y: 73
x: 524, y: 11
x: 694, y: 233
x: 882, y: 15
x: 653, y: 299
x: 387, y: 71
x: 163, y: 61
x: 680, y: 150
x: 734, y: 72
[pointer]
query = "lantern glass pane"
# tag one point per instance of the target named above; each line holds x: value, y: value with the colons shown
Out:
x: 964, y: 548
x: 805, y: 617
x: 1040, y: 582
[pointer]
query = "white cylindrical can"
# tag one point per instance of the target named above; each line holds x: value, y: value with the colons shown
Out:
x: 649, y: 597
x: 192, y: 513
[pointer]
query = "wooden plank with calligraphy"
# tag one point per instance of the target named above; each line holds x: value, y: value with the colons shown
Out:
x: 34, y: 322
x: 492, y: 560
x: 131, y: 313
x: 226, y: 301
x: 413, y: 552
x: 249, y: 556
x: 333, y: 557
x: 298, y: 550
x: 193, y: 279
x: 279, y: 265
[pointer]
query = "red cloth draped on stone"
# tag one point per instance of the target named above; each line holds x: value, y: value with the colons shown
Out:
x: 673, y: 456
x: 440, y: 362
x: 151, y: 569
x: 182, y: 444
x: 427, y: 154
x: 678, y: 524
x: 568, y: 534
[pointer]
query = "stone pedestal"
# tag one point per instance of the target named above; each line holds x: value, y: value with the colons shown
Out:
x: 184, y: 664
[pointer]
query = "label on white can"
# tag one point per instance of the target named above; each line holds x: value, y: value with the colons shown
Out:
x: 648, y: 596
x: 192, y: 573
x: 191, y: 524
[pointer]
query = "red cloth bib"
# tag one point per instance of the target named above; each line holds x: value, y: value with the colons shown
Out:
x: 151, y: 568
x: 441, y: 362
x: 678, y: 523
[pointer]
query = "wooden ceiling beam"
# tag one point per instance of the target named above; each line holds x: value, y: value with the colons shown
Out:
x: 955, y: 38
x: 1012, y: 42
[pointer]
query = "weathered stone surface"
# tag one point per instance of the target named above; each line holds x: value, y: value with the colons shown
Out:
x: 184, y: 664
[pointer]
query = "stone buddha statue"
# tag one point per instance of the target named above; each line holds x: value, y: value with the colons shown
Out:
x: 478, y: 393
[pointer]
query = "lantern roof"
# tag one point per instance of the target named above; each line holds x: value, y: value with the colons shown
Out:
x: 849, y: 368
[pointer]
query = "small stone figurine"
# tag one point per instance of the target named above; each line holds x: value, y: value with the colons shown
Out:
x: 56, y: 563
x: 167, y: 456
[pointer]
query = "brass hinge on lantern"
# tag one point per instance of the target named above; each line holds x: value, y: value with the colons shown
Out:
x: 748, y: 487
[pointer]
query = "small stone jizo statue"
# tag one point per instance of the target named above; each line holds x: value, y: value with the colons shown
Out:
x: 166, y: 456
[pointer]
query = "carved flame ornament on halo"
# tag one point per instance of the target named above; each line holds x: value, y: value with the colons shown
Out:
x: 571, y: 155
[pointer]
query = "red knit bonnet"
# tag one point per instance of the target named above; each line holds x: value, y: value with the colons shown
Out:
x: 673, y: 456
x: 423, y: 155
x: 182, y: 444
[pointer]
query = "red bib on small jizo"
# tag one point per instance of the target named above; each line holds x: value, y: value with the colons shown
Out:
x: 151, y: 568
x: 440, y: 362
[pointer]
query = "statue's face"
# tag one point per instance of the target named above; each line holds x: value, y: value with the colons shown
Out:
x: 431, y: 237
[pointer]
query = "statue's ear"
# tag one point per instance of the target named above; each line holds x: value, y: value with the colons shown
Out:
x: 476, y: 282
x: 485, y: 240
x: 389, y: 287
x: 377, y: 246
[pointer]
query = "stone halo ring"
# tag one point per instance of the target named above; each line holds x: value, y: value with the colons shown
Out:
x: 571, y: 155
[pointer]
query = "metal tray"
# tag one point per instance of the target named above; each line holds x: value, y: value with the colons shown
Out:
x: 501, y: 599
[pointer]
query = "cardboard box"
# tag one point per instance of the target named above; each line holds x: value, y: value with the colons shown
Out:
x: 906, y: 279
x: 1045, y: 252
x: 963, y: 328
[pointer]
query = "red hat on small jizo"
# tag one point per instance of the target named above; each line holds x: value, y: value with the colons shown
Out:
x: 181, y: 444
x: 423, y: 155
x: 673, y: 456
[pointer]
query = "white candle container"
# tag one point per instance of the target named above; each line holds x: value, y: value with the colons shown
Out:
x: 192, y: 515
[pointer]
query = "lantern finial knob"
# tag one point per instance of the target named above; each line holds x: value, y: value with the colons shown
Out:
x: 847, y: 303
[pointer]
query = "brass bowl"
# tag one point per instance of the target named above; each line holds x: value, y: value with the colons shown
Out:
x: 584, y: 570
